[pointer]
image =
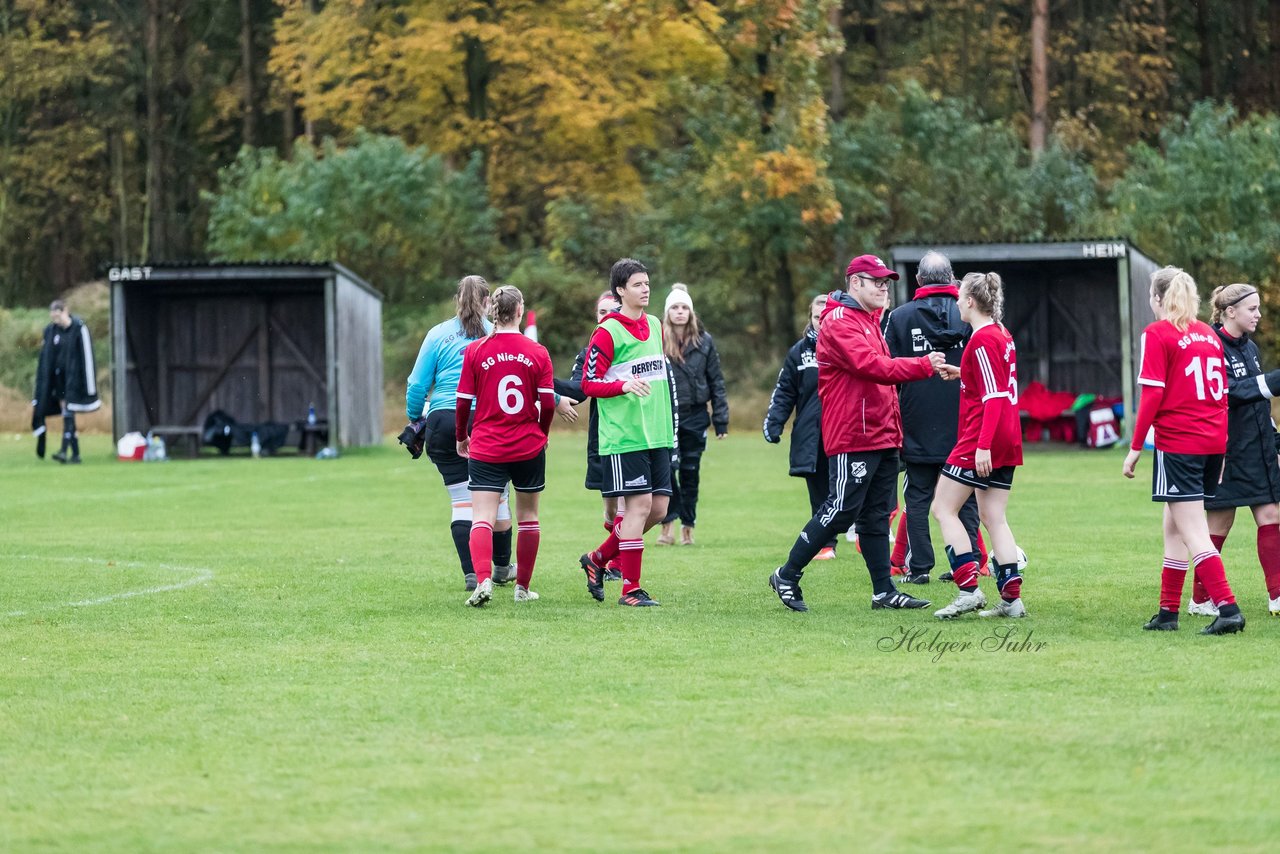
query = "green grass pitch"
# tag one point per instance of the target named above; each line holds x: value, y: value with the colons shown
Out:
x: 273, y: 655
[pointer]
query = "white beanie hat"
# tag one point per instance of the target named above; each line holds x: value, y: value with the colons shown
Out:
x: 679, y: 296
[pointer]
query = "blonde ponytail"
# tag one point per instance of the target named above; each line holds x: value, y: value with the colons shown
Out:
x: 987, y: 290
x: 1176, y: 291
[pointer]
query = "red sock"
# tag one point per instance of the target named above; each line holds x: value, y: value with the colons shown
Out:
x: 1209, y: 567
x: 482, y: 550
x: 1012, y: 589
x: 609, y: 526
x: 630, y: 555
x: 899, y: 557
x: 965, y: 575
x: 1172, y: 577
x: 527, y: 537
x: 982, y: 549
x: 1269, y: 557
x: 609, y: 548
x: 1198, y: 593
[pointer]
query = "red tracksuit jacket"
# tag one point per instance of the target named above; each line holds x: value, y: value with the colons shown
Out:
x: 857, y: 379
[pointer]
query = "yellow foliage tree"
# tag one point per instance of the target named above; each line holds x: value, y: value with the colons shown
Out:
x: 558, y: 96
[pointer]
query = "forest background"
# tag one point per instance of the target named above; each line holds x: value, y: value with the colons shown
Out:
x: 746, y: 147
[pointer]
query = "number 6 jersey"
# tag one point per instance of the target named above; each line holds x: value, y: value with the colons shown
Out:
x: 510, y: 379
x: 1185, y: 372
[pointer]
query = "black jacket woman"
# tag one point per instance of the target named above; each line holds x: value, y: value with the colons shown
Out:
x: 797, y: 391
x: 695, y: 367
x: 1251, y: 474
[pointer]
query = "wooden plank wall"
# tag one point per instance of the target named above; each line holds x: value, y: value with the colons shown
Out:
x: 359, y: 364
x: 256, y: 351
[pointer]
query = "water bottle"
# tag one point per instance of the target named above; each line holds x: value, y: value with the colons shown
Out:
x: 311, y: 415
x: 255, y: 447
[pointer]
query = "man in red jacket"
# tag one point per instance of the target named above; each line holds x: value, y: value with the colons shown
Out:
x: 861, y: 431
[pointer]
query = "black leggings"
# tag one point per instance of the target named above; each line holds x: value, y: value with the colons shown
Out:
x: 685, y: 480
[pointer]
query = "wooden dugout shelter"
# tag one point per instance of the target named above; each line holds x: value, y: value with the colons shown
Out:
x: 261, y: 341
x: 1076, y: 308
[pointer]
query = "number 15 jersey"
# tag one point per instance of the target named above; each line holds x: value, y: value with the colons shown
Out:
x: 1188, y: 366
x: 510, y: 379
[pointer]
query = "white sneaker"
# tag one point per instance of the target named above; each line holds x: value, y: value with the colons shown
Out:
x: 963, y: 604
x: 1006, y: 609
x: 1202, y: 609
x: 1274, y: 607
x: 482, y: 594
x: 525, y: 595
x: 504, y: 574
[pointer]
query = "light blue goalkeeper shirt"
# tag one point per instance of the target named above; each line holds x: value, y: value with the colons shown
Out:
x: 437, y: 369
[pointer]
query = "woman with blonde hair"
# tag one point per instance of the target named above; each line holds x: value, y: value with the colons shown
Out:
x: 433, y: 385
x: 988, y: 451
x: 695, y: 367
x: 1251, y: 475
x: 507, y: 379
x: 1184, y: 397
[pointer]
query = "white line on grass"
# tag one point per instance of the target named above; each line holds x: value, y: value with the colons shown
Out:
x: 200, y: 576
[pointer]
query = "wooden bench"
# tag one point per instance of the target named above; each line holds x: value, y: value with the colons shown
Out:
x: 314, y: 437
x: 173, y: 434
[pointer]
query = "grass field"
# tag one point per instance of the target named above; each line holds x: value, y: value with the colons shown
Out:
x: 247, y: 655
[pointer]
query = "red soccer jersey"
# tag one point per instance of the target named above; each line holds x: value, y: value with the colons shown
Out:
x: 1188, y: 369
x: 510, y: 379
x: 989, y: 400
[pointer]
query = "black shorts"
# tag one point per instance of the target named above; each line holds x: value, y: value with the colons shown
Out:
x: 595, y: 472
x: 442, y: 447
x: 1001, y: 478
x: 1185, y: 477
x: 525, y: 475
x: 637, y: 473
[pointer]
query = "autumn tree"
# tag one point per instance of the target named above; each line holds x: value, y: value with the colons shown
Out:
x: 375, y: 205
x: 555, y: 97
x: 53, y: 61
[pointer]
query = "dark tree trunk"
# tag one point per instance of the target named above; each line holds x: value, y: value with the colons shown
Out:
x: 249, y: 133
x: 785, y: 326
x: 122, y: 198
x: 1208, y: 86
x: 289, y: 123
x: 1039, y: 75
x: 1273, y: 42
x: 152, y: 221
x: 835, y: 67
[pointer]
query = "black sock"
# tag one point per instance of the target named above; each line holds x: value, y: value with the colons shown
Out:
x: 460, y: 529
x: 75, y: 447
x: 881, y: 582
x: 808, y: 544
x: 502, y: 548
x: 1228, y: 610
x: 875, y: 551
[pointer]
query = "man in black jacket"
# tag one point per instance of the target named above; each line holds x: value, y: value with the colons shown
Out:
x: 930, y: 409
x: 66, y: 381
